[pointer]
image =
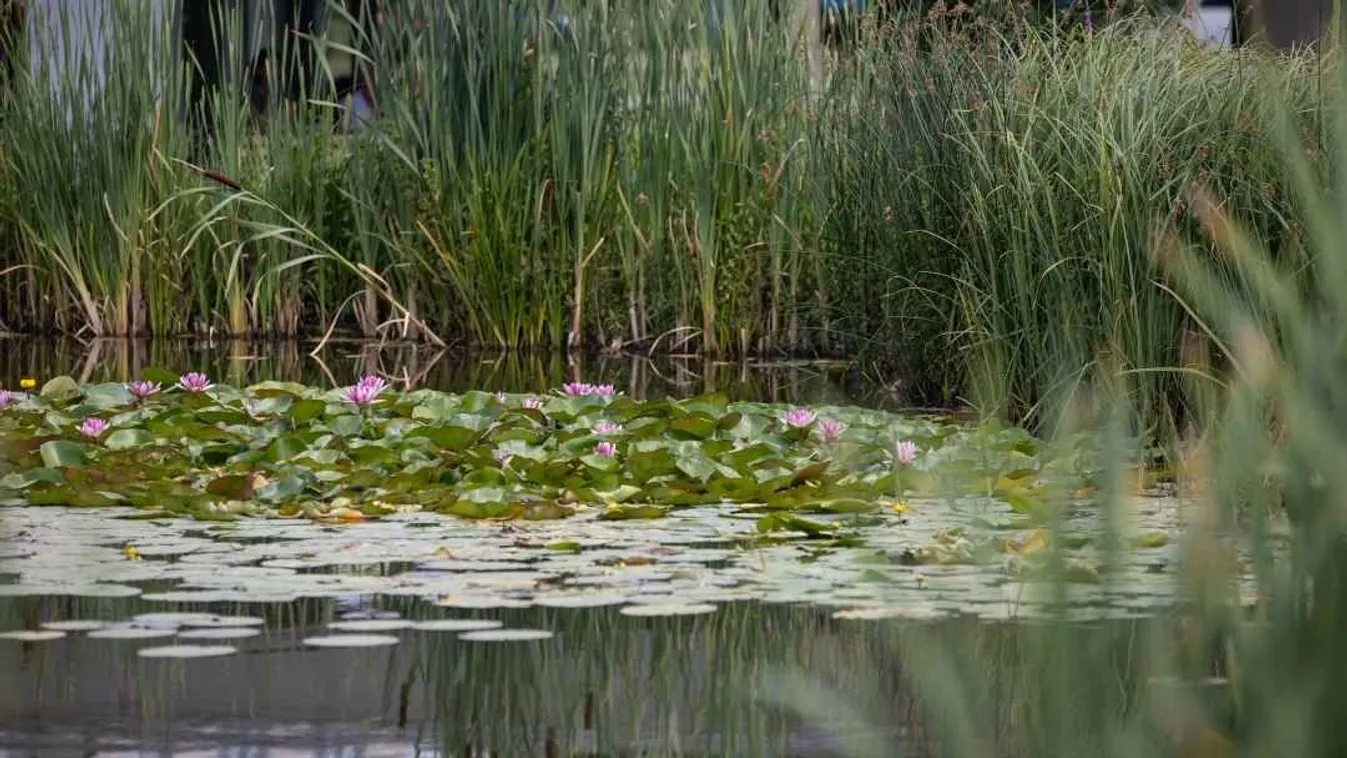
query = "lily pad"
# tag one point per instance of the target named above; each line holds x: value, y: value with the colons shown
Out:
x: 220, y: 633
x: 133, y: 633
x: 351, y: 640
x: 456, y: 625
x: 580, y: 600
x: 74, y: 625
x: 60, y: 388
x: 186, y: 651
x: 506, y: 635
x: 668, y: 609
x: 33, y: 635
x: 64, y: 454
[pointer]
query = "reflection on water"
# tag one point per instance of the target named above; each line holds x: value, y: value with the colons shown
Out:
x: 419, y: 366
x: 604, y: 685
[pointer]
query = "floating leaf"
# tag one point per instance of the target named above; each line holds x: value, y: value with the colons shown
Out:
x: 779, y: 522
x: 629, y: 512
x: 186, y: 651
x: 64, y: 454
x: 126, y: 439
x: 693, y: 427
x: 851, y: 505
x: 307, y: 410
x: 284, y: 448
x: 233, y: 487
x: 60, y: 388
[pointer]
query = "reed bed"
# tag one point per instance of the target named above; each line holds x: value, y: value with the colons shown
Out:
x: 963, y: 197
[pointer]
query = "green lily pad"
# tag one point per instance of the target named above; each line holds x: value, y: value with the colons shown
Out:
x: 126, y: 439
x: 64, y: 454
x: 629, y: 512
x: 60, y: 388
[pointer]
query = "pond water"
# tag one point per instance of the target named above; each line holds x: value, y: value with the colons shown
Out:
x: 127, y: 633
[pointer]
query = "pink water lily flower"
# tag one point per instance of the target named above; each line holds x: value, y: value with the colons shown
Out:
x: 93, y: 427
x: 584, y: 389
x: 607, y: 427
x: 799, y: 418
x: 365, y: 392
x: 372, y: 381
x: 194, y: 381
x: 904, y: 452
x: 830, y: 429
x: 6, y: 399
x: 531, y: 402
x: 142, y: 389
x: 605, y: 449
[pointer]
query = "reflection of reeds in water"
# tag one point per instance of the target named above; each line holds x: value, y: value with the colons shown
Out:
x: 414, y: 366
x: 606, y: 684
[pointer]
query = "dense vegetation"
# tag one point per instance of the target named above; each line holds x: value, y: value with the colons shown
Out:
x: 963, y: 198
x: 1044, y: 206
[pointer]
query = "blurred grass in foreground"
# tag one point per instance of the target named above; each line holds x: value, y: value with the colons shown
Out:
x: 1260, y: 675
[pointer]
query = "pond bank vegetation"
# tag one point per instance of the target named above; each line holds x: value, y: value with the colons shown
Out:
x: 966, y: 197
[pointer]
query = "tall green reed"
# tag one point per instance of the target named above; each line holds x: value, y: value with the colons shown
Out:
x: 89, y: 136
x: 662, y: 176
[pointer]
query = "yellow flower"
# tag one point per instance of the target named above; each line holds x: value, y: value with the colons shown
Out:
x: 27, y: 383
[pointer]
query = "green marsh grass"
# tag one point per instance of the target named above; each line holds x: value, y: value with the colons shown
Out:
x: 966, y: 197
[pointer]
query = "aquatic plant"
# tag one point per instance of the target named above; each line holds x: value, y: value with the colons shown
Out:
x: 365, y: 392
x: 92, y: 427
x: 798, y: 418
x: 830, y: 429
x: 583, y: 389
x: 904, y: 452
x: 569, y: 213
x: 285, y: 449
x: 194, y: 381
x: 142, y: 389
